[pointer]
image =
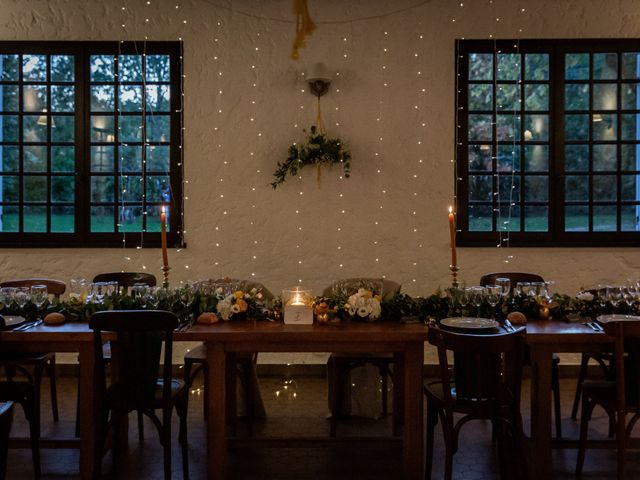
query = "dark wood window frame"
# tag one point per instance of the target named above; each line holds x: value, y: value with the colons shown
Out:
x: 82, y: 236
x: 556, y: 236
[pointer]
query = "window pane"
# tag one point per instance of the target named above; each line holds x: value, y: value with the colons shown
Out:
x: 536, y: 97
x: 604, y: 157
x: 508, y: 219
x: 576, y: 127
x: 576, y: 218
x: 605, y: 126
x: 509, y: 189
x: 629, y: 188
x: 536, y: 128
x: 509, y: 158
x: 9, y: 158
x: 536, y: 189
x: 131, y: 188
x: 101, y: 67
x: 131, y: 159
x: 35, y: 189
x: 480, y: 127
x: 62, y: 68
x: 158, y: 128
x: 536, y: 66
x: 629, y: 93
x: 63, y: 128
x: 536, y: 219
x: 10, y: 188
x: 576, y: 188
x: 480, y: 97
x: 9, y: 65
x: 102, y: 158
x: 508, y: 127
x: 130, y: 219
x: 630, y: 66
x: 35, y: 158
x: 576, y: 66
x: 9, y: 128
x: 536, y: 158
x: 481, y: 66
x: 604, y: 218
x: 63, y: 159
x: 630, y: 125
x: 102, y: 98
x: 130, y: 68
x: 35, y: 219
x: 34, y: 98
x: 102, y: 189
x: 130, y: 128
x: 605, y: 66
x: 480, y: 188
x: 158, y: 157
x: 480, y: 218
x: 158, y: 98
x: 63, y: 189
x: 102, y: 128
x: 605, y: 188
x: 508, y: 66
x: 153, y: 220
x: 9, y: 219
x: 130, y: 98
x: 508, y: 97
x: 62, y: 98
x: 158, y: 188
x: 630, y: 156
x: 102, y: 219
x: 9, y: 98
x: 34, y: 128
x: 62, y: 219
x: 34, y: 68
x: 480, y: 158
x: 576, y: 96
x: 605, y: 96
x: 630, y: 216
x: 158, y: 68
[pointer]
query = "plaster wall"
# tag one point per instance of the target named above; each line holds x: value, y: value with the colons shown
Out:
x: 391, y: 101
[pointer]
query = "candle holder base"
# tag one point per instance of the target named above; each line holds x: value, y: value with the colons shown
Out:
x: 165, y: 274
x: 454, y: 274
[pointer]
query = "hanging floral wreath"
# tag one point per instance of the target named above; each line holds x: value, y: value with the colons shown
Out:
x: 317, y: 150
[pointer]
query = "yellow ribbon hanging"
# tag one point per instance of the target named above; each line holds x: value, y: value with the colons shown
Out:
x: 320, y: 125
x: 304, y: 26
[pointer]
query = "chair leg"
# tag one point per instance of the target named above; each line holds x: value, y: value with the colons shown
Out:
x: 181, y: 410
x: 51, y: 371
x: 78, y: 405
x: 432, y: 421
x: 582, y: 375
x: 166, y: 442
x: 340, y: 377
x: 585, y: 416
x: 555, y: 385
x: 140, y: 427
x: 447, y: 426
x: 32, y: 413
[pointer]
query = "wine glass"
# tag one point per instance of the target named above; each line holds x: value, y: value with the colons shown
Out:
x: 477, y: 297
x: 78, y: 288
x: 493, y: 295
x: 186, y: 294
x: 523, y: 289
x: 39, y: 295
x: 151, y: 297
x: 98, y: 291
x: 22, y: 296
x: 613, y: 296
x: 6, y: 296
x: 627, y: 297
x: 505, y: 286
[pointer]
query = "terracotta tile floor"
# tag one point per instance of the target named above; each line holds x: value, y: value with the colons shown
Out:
x: 476, y: 458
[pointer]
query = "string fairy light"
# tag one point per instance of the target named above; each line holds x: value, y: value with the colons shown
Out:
x: 218, y: 134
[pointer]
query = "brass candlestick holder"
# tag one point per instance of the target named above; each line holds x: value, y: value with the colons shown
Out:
x: 165, y: 274
x: 454, y: 274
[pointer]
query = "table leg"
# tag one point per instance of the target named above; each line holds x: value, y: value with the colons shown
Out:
x: 413, y: 454
x: 89, y: 411
x: 540, y: 445
x: 216, y: 445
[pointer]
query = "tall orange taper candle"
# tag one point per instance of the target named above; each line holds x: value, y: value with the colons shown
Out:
x: 163, y: 223
x: 452, y: 230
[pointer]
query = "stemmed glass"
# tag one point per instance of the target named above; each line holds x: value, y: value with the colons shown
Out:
x: 523, y: 289
x: 477, y: 297
x: 493, y: 295
x: 614, y: 296
x: 627, y: 297
x: 505, y: 286
x: 151, y: 297
x: 22, y: 297
x: 39, y: 295
x: 98, y: 291
x: 6, y: 296
x: 464, y: 297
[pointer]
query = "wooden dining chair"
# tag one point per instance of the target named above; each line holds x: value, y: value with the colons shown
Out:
x: 33, y: 365
x: 141, y: 336
x: 23, y: 393
x: 618, y: 397
x: 340, y: 365
x: 6, y: 418
x: 484, y: 383
x: 243, y: 369
x: 515, y: 278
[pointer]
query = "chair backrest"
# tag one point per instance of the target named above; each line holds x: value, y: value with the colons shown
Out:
x: 54, y: 287
x: 515, y: 277
x: 127, y: 279
x: 626, y: 351
x: 389, y: 287
x: 137, y: 348
x: 487, y: 369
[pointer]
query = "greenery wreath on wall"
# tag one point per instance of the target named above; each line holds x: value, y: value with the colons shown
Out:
x: 316, y: 150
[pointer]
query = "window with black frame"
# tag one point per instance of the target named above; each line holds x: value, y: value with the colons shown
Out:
x: 90, y: 143
x: 548, y: 142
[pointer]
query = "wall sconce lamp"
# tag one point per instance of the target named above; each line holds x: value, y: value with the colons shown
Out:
x: 319, y: 79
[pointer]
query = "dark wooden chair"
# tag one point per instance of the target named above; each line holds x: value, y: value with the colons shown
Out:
x: 33, y: 365
x: 140, y: 336
x: 483, y: 384
x: 24, y: 394
x: 515, y: 278
x: 618, y: 397
x: 6, y: 418
x: 243, y: 369
x: 340, y: 365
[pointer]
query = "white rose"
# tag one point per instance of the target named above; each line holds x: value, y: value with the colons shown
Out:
x: 375, y: 308
x: 586, y: 296
x: 363, y: 312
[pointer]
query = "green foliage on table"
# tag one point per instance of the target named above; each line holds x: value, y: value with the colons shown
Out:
x: 317, y: 150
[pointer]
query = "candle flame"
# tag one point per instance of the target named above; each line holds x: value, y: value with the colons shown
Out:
x: 450, y: 209
x: 163, y: 210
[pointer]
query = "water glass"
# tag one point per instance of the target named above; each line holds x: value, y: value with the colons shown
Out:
x: 78, y: 288
x: 505, y: 286
x: 523, y: 289
x: 39, y: 295
x: 22, y: 296
x: 493, y: 295
x: 6, y: 295
x: 477, y: 297
x: 614, y: 295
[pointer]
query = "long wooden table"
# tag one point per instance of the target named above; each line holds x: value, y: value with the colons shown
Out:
x: 545, y: 338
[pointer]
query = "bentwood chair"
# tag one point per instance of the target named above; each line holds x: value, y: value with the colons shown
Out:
x: 340, y: 365
x: 244, y: 369
x: 484, y: 383
x: 33, y: 365
x: 515, y: 278
x: 618, y: 397
x: 6, y: 418
x: 140, y: 338
x: 24, y: 394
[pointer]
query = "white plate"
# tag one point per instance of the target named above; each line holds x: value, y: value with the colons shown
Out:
x: 12, y: 321
x: 616, y: 317
x: 470, y: 323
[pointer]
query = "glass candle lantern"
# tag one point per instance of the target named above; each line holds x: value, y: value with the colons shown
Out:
x: 298, y: 306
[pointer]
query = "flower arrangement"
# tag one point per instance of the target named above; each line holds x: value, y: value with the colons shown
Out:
x: 317, y: 150
x: 364, y: 304
x: 239, y: 304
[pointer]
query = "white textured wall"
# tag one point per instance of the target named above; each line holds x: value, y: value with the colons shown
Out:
x: 244, y: 106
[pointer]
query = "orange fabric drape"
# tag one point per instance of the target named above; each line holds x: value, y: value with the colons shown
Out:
x: 304, y: 26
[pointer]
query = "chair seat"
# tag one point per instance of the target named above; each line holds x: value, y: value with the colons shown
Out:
x: 488, y: 407
x: 177, y: 386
